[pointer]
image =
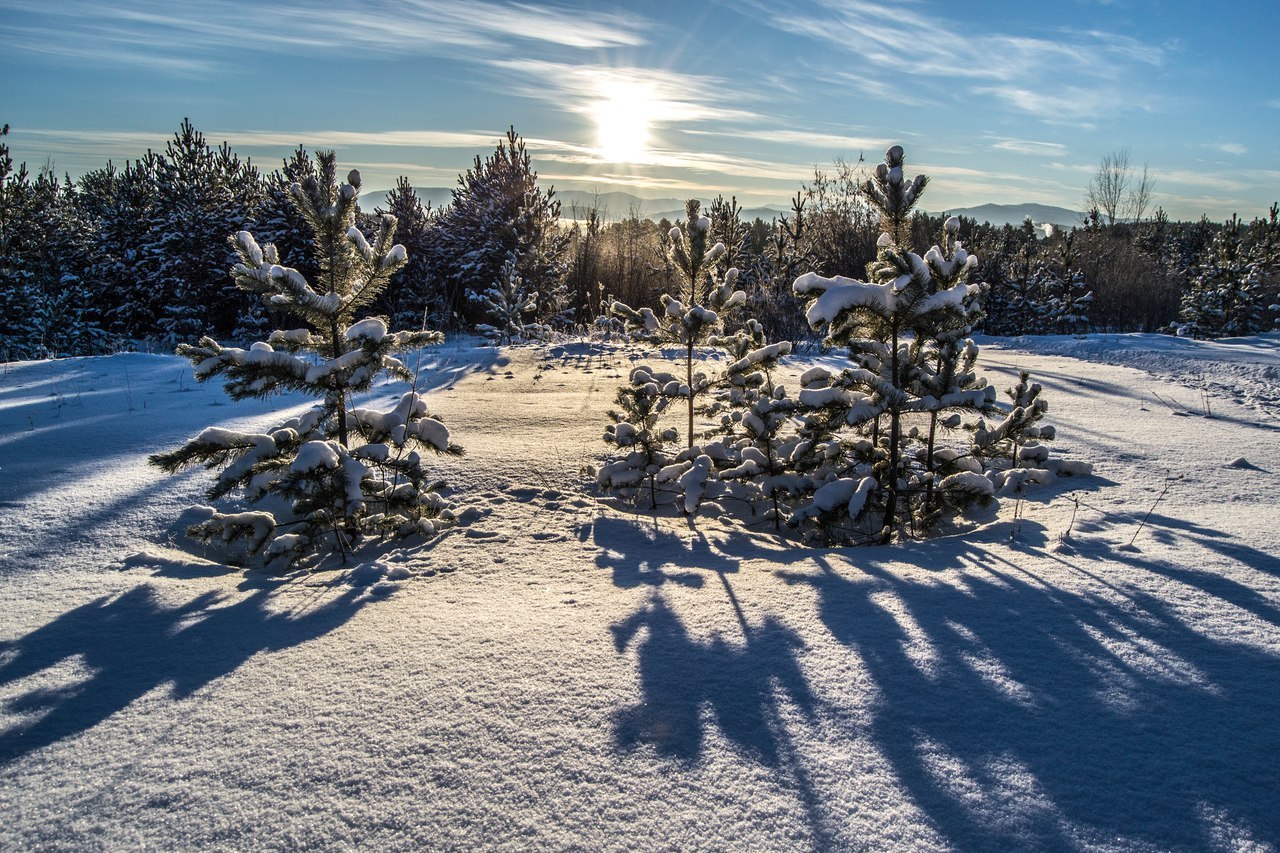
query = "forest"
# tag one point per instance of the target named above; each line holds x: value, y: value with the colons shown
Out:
x: 137, y: 256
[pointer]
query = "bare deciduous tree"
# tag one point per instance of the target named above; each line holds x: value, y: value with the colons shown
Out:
x: 1117, y: 191
x: 1110, y: 184
x: 1140, y: 196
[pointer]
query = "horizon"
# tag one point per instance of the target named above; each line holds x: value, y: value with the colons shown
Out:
x: 1009, y: 105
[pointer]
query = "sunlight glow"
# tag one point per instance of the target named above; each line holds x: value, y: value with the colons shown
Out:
x: 623, y: 115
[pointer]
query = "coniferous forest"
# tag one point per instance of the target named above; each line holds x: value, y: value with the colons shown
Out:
x: 137, y: 255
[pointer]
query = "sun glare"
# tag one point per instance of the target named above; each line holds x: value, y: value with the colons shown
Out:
x: 622, y: 122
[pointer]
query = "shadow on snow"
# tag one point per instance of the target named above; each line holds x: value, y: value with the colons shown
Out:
x: 133, y: 642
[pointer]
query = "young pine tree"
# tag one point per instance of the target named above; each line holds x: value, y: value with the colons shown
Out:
x: 905, y: 331
x: 338, y: 473
x: 695, y: 317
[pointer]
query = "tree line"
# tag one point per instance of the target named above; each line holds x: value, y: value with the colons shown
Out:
x: 140, y: 252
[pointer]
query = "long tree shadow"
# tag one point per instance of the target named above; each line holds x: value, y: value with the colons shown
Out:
x: 643, y: 553
x: 683, y: 680
x: 131, y: 643
x: 1018, y: 714
x: 681, y: 675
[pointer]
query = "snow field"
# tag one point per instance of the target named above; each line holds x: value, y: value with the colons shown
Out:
x: 560, y: 672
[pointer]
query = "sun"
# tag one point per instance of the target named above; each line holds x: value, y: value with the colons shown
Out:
x: 622, y: 117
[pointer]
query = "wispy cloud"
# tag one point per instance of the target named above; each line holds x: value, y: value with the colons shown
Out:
x: 281, y: 138
x: 1024, y: 72
x: 817, y: 140
x: 1030, y: 147
x: 191, y: 38
x: 1234, y: 148
x: 665, y: 97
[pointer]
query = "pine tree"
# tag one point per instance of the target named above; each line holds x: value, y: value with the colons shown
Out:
x: 340, y: 472
x: 203, y: 196
x: 635, y: 431
x: 769, y: 273
x: 117, y: 201
x: 46, y: 307
x: 509, y: 307
x: 410, y: 299
x: 19, y: 300
x: 902, y: 330
x: 757, y: 421
x: 691, y: 322
x: 498, y: 211
x: 694, y: 318
x: 1013, y: 450
x: 1226, y: 297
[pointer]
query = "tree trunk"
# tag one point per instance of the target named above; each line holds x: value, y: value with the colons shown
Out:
x: 338, y: 393
x: 891, y: 493
x: 688, y: 373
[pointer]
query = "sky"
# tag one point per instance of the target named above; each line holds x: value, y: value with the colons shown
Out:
x: 998, y: 102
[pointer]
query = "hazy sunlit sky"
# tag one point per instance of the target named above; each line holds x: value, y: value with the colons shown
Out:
x: 1003, y: 102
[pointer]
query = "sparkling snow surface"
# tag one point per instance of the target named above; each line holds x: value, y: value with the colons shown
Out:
x: 557, y: 672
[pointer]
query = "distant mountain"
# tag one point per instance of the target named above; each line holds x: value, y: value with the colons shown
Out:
x: 1015, y: 214
x: 615, y: 205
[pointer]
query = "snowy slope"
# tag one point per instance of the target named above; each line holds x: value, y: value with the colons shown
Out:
x: 559, y: 672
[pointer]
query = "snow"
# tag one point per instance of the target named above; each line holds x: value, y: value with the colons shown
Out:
x: 373, y: 329
x: 315, y: 454
x: 558, y: 671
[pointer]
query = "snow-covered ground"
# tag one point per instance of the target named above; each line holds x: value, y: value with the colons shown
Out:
x: 558, y: 672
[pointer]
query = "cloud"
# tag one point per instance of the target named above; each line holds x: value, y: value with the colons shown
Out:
x: 1231, y: 148
x: 283, y: 138
x: 1024, y: 72
x: 193, y: 37
x: 665, y: 98
x: 812, y: 139
x: 1061, y: 105
x: 1026, y: 146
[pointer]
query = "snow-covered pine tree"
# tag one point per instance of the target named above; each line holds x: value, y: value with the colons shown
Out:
x: 912, y: 310
x: 119, y: 202
x: 757, y: 421
x: 46, y: 307
x: 203, y: 196
x: 19, y: 297
x: 509, y: 308
x: 695, y: 318
x: 1226, y: 297
x: 1013, y: 451
x: 409, y: 299
x: 339, y: 473
x: 727, y: 225
x: 498, y: 210
x: 644, y: 446
x: 1074, y: 298
x: 281, y: 223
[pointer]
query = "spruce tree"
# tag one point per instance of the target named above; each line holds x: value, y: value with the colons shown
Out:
x: 339, y: 473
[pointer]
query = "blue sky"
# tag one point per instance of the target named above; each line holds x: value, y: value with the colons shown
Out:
x: 1003, y: 102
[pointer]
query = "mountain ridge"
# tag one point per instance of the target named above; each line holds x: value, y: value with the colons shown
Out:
x: 617, y: 204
